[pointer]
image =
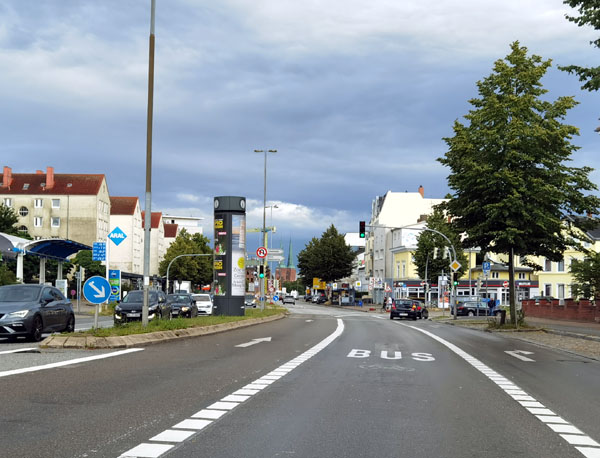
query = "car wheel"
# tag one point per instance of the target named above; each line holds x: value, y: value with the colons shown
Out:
x: 70, y: 327
x: 471, y: 313
x: 425, y: 314
x: 391, y: 316
x: 37, y: 329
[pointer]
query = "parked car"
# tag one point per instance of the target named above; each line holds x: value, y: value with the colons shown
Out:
x: 537, y: 299
x: 308, y: 297
x: 404, y: 308
x: 250, y: 301
x: 130, y: 308
x: 204, y: 303
x: 289, y: 299
x: 319, y: 298
x: 31, y: 310
x: 182, y: 304
x: 471, y: 308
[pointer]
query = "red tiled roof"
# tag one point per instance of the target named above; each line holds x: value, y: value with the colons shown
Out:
x: 64, y: 184
x: 170, y: 230
x: 122, y: 205
x: 155, y: 218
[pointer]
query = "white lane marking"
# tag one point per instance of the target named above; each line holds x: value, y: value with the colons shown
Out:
x: 18, y: 350
x: 68, y: 362
x: 254, y: 342
x: 209, y: 414
x: 218, y: 409
x: 171, y: 435
x: 147, y: 451
x: 519, y: 354
x: 540, y: 412
x: 192, y: 424
x: 309, y: 321
x: 234, y: 398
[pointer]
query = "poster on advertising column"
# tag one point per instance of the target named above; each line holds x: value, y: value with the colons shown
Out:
x: 220, y: 264
x: 238, y: 255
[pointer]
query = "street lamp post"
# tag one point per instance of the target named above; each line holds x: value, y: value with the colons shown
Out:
x: 271, y: 240
x: 264, y: 229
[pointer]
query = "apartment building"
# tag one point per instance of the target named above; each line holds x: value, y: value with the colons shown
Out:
x: 127, y: 254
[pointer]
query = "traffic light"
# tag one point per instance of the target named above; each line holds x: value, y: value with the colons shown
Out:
x: 361, y: 229
x: 261, y: 271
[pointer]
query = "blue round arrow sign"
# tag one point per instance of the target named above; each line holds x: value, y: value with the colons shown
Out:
x: 96, y: 290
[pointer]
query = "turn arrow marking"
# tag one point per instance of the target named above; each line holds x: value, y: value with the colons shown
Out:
x: 254, y: 342
x: 516, y: 354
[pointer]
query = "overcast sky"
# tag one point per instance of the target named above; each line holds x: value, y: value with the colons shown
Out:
x: 355, y: 95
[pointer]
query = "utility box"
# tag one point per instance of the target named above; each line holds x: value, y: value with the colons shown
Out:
x: 230, y: 255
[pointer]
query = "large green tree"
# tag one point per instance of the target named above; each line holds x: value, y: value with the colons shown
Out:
x: 328, y: 258
x: 197, y: 269
x: 428, y: 242
x: 8, y: 220
x: 589, y: 14
x: 512, y: 187
x: 586, y: 276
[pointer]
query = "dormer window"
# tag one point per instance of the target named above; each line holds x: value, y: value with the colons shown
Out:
x: 26, y: 186
x: 69, y: 185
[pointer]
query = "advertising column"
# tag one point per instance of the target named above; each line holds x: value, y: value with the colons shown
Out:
x: 230, y: 255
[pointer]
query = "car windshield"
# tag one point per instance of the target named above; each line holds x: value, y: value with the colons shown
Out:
x: 178, y: 298
x: 138, y: 296
x: 19, y: 293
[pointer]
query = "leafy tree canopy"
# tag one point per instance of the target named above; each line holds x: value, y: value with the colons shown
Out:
x: 197, y: 269
x: 589, y: 14
x: 586, y: 276
x: 428, y: 241
x: 8, y: 220
x: 328, y: 258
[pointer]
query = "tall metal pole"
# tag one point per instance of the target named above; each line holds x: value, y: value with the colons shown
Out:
x: 148, y: 201
x: 264, y: 228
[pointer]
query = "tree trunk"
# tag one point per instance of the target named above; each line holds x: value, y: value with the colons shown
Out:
x: 511, y: 286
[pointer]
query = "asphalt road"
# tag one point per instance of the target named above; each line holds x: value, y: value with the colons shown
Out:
x: 330, y: 382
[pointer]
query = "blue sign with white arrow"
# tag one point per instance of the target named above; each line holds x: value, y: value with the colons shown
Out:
x: 96, y: 290
x: 117, y: 235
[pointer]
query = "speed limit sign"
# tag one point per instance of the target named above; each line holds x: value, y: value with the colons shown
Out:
x: 261, y: 252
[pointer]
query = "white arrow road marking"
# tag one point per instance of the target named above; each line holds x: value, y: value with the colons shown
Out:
x: 101, y: 292
x: 516, y: 354
x: 254, y: 342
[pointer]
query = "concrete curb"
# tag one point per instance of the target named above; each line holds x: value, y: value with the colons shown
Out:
x: 138, y: 340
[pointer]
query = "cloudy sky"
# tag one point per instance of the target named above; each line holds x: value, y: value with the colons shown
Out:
x: 355, y: 95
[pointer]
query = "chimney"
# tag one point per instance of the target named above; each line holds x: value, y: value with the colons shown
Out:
x: 422, y: 191
x: 39, y: 172
x: 49, y: 177
x: 7, y: 177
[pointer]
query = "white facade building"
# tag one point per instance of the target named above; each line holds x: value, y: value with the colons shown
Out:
x: 128, y: 255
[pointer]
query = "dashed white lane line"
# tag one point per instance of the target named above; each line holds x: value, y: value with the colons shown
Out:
x: 571, y: 434
x: 68, y: 362
x: 200, y: 420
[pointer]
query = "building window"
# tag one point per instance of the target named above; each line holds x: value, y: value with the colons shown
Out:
x: 521, y: 275
x: 561, y: 291
x: 37, y: 221
x: 23, y: 211
x: 560, y: 266
x: 8, y: 202
x: 403, y: 269
x: 55, y: 222
x: 547, y: 290
x: 55, y: 203
x: 548, y: 266
x: 495, y: 274
x: 38, y: 203
x: 23, y: 229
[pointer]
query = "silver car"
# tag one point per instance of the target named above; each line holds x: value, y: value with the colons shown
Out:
x: 204, y: 303
x: 289, y: 300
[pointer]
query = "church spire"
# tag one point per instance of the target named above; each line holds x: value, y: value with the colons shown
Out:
x: 290, y: 262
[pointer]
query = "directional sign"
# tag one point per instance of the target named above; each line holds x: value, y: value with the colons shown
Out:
x: 99, y: 251
x: 117, y: 235
x: 277, y: 251
x: 274, y: 257
x: 275, y: 298
x: 261, y: 252
x: 96, y: 290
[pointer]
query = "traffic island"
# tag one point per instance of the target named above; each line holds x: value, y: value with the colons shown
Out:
x: 150, y: 338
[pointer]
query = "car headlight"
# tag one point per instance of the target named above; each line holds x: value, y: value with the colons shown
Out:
x: 184, y: 309
x: 19, y: 314
x: 153, y: 308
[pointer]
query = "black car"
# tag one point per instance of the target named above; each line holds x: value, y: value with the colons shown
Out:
x: 405, y: 308
x: 182, y: 304
x: 471, y: 308
x: 422, y: 311
x: 31, y: 310
x: 130, y: 308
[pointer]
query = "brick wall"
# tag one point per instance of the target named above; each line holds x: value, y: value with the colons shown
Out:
x: 570, y: 311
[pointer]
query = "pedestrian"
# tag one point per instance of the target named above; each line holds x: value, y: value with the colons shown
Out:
x: 390, y: 302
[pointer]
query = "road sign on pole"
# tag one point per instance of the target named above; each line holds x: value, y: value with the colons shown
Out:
x: 505, y: 284
x: 99, y: 251
x: 485, y: 266
x: 96, y: 290
x: 261, y: 252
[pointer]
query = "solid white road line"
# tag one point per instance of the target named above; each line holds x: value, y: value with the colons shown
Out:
x: 68, y: 362
x: 573, y: 435
x: 18, y: 350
